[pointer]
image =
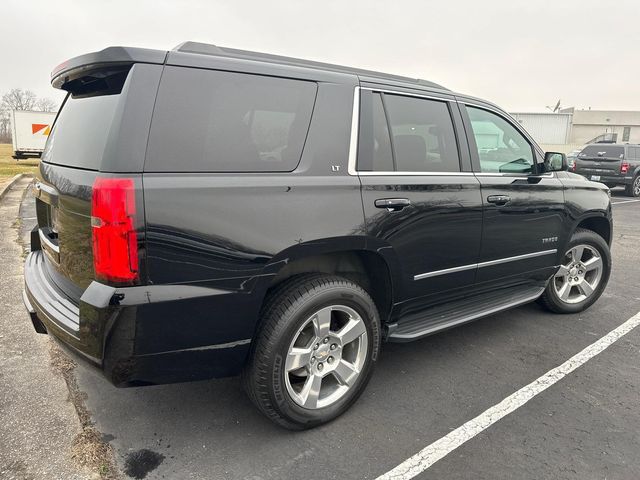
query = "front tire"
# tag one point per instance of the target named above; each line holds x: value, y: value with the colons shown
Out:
x: 582, y: 276
x: 315, y: 351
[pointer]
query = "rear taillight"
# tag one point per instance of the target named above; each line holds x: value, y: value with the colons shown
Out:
x: 624, y: 167
x: 115, y: 245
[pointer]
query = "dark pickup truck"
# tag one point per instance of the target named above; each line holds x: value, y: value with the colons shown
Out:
x: 206, y: 212
x: 615, y: 165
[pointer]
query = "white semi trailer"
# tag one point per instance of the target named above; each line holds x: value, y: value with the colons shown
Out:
x: 30, y: 131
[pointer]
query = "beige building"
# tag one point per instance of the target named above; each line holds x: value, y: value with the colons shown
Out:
x: 571, y: 129
x: 587, y: 125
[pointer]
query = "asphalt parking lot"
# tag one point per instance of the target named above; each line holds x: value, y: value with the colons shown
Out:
x: 585, y: 426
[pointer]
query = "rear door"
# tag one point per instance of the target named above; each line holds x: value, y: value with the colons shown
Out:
x: 420, y: 197
x: 600, y: 160
x: 524, y: 215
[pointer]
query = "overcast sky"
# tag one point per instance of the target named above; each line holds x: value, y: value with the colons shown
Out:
x: 523, y: 55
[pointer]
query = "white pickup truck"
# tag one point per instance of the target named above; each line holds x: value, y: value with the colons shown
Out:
x: 30, y: 131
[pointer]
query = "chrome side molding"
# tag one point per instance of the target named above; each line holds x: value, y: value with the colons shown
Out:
x: 489, y: 263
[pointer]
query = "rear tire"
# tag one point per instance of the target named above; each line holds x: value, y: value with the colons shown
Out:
x: 583, y: 275
x: 633, y: 190
x: 315, y: 351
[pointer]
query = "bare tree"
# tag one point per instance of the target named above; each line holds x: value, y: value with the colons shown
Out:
x: 45, y: 104
x: 18, y: 99
x: 5, y: 129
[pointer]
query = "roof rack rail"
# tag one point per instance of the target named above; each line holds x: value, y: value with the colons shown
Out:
x: 214, y: 50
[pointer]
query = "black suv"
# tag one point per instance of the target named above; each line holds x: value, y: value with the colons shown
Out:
x: 615, y: 165
x: 206, y: 212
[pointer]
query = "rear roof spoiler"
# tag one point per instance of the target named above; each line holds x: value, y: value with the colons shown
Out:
x: 109, y: 57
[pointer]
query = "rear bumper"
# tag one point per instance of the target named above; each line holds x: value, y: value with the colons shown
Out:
x: 136, y: 335
x: 608, y: 179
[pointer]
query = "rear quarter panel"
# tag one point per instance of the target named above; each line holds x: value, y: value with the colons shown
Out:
x: 234, y: 231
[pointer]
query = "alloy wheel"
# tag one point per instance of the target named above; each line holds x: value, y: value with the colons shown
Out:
x: 326, y: 357
x: 579, y: 275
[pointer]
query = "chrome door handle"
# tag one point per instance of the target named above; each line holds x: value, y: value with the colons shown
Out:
x: 499, y: 199
x: 392, y: 204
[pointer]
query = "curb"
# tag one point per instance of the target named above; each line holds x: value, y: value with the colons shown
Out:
x: 11, y: 183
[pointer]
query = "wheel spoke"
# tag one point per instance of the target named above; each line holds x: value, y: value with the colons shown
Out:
x: 593, y: 263
x: 563, y: 271
x: 585, y: 288
x: 311, y: 391
x: 322, y: 322
x: 297, y: 358
x: 577, y: 252
x: 316, y: 353
x: 564, y: 290
x: 345, y: 373
x: 353, y: 330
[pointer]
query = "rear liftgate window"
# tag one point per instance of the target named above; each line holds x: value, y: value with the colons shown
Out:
x: 602, y: 150
x: 212, y: 121
x: 80, y: 134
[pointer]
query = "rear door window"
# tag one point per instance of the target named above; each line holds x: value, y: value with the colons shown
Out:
x: 374, y: 141
x: 422, y: 134
x: 213, y: 121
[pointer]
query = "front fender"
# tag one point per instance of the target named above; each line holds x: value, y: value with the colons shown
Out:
x: 586, y: 202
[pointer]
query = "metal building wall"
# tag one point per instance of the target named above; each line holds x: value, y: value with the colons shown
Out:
x: 548, y: 128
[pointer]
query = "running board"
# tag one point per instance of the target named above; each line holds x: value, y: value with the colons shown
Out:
x: 462, y: 311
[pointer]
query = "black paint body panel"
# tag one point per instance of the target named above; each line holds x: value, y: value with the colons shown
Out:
x: 212, y: 244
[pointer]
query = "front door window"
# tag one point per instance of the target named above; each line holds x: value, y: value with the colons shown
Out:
x: 501, y: 147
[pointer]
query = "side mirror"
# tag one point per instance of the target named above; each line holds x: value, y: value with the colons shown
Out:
x: 555, y: 162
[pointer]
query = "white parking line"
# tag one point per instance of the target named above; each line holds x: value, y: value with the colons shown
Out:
x: 624, y: 201
x: 429, y: 455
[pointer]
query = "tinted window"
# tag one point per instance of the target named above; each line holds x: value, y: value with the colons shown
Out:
x: 501, y: 147
x: 422, y: 135
x: 602, y: 150
x: 374, y: 144
x: 382, y: 156
x: 228, y: 122
x: 80, y: 134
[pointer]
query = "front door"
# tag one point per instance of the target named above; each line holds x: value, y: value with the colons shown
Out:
x: 524, y: 211
x: 421, y: 201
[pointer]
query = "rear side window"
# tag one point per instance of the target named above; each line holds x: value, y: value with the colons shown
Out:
x: 79, y: 136
x: 406, y: 134
x: 602, y: 150
x: 374, y: 141
x: 214, y: 121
